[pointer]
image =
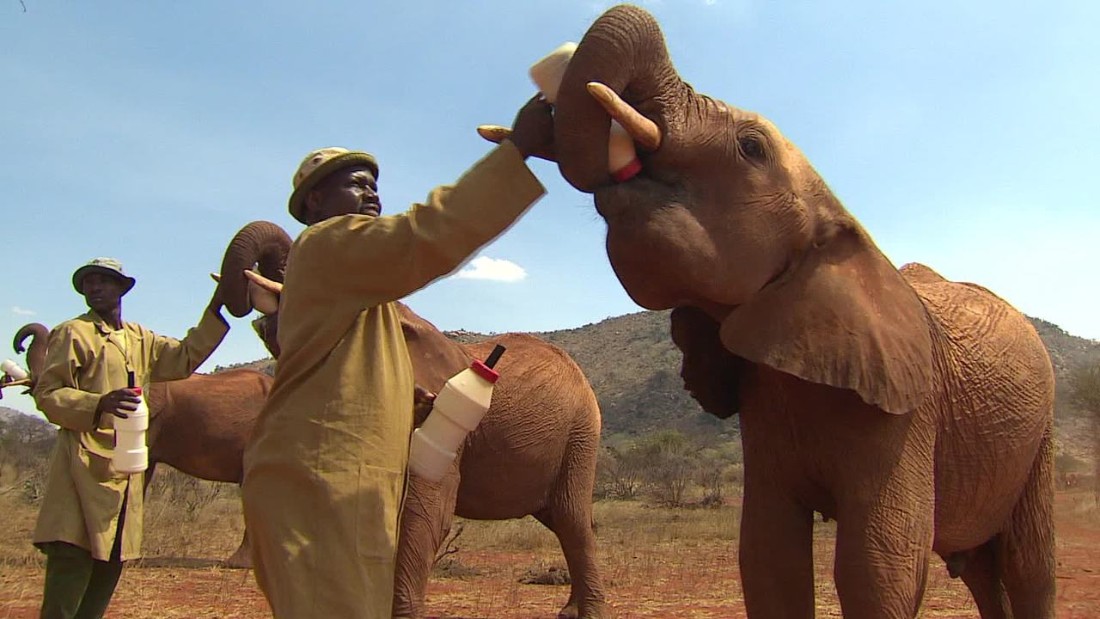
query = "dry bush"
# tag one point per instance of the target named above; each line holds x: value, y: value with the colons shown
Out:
x: 619, y: 472
x: 450, y: 543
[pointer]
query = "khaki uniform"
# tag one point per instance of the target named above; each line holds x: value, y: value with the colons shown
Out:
x: 84, y: 360
x: 325, y: 471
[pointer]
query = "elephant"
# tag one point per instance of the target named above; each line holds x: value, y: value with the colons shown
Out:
x: 198, y: 425
x: 914, y: 411
x: 534, y: 452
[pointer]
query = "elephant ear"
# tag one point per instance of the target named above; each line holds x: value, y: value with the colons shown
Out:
x: 844, y: 317
x: 710, y: 372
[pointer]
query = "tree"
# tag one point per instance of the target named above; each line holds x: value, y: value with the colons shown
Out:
x: 670, y: 465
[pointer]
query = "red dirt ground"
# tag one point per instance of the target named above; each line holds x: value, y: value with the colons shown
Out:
x: 671, y: 580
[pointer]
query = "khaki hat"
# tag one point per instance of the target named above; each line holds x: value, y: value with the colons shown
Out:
x: 319, y: 164
x: 107, y: 266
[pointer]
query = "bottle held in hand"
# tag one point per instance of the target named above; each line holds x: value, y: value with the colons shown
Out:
x: 457, y: 411
x: 131, y: 454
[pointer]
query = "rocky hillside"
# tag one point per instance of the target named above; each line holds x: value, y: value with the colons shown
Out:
x: 635, y: 371
x: 1078, y: 432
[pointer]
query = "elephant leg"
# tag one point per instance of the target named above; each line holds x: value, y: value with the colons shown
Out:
x: 148, y: 481
x: 1027, y: 545
x: 776, y: 554
x: 572, y: 606
x: 242, y: 557
x: 578, y: 543
x: 569, y: 516
x: 425, y: 522
x: 883, y: 547
x: 982, y: 577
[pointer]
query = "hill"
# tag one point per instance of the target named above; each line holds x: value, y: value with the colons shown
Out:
x: 635, y: 371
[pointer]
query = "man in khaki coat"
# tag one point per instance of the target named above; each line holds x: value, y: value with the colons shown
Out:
x: 325, y: 471
x: 90, y: 520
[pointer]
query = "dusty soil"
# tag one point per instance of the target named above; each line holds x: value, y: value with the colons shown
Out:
x: 677, y: 578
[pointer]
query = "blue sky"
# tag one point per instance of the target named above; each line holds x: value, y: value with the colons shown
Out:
x: 962, y: 134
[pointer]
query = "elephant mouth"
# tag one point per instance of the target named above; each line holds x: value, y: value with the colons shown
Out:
x: 649, y: 234
x: 635, y: 198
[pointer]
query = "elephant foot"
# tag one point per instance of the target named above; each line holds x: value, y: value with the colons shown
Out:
x: 597, y: 610
x: 240, y: 560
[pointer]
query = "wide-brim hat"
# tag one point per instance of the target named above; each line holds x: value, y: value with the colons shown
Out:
x: 107, y: 266
x: 319, y: 164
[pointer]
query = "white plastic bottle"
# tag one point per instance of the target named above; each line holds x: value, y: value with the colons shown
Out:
x: 456, y: 412
x: 131, y: 454
x: 622, y: 157
x: 12, y: 369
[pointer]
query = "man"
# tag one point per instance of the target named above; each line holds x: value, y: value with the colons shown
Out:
x: 325, y: 471
x: 91, y: 517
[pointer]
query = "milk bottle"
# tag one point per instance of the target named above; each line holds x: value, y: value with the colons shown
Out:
x: 457, y: 411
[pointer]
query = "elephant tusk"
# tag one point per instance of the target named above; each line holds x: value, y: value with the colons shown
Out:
x: 494, y: 133
x: 269, y: 285
x: 263, y: 293
x: 644, y: 131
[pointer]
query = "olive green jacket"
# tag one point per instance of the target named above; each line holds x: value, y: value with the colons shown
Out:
x: 84, y: 360
x: 325, y: 471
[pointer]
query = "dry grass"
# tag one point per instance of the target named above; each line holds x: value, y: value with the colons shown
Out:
x: 186, y: 518
x: 617, y: 522
x: 656, y: 562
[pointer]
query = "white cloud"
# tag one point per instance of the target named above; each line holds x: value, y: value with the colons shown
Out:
x: 19, y: 311
x: 493, y: 269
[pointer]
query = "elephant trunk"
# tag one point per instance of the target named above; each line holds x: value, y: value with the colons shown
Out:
x: 36, y: 356
x: 262, y: 243
x: 624, y: 50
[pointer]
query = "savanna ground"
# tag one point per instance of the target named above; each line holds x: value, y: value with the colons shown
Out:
x: 656, y: 562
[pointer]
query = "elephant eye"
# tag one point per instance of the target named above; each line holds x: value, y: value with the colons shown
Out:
x: 751, y: 146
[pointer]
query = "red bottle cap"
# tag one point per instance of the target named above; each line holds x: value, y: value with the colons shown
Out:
x: 628, y: 171
x: 484, y: 371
